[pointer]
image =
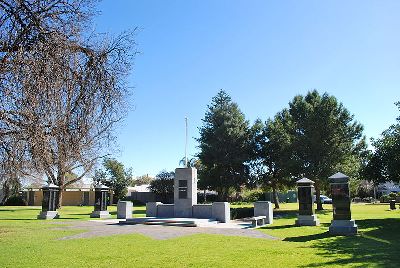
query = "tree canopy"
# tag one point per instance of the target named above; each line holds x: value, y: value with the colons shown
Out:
x: 384, y: 163
x: 224, y: 146
x: 326, y: 138
x: 61, y: 91
x: 115, y: 176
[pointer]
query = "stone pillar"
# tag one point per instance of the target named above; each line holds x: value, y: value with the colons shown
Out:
x: 305, y: 193
x: 221, y: 211
x: 100, y: 202
x: 342, y: 224
x: 49, y: 202
x: 264, y: 208
x: 151, y: 209
x: 185, y: 192
x: 392, y: 204
x: 124, y: 210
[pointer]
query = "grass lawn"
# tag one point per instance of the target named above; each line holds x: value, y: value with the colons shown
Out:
x: 27, y: 242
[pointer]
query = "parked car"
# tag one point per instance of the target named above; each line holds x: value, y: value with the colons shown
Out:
x: 324, y: 199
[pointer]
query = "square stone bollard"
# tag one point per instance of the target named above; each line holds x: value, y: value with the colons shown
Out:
x: 151, y: 209
x: 124, y: 210
x: 221, y: 211
x: 264, y: 208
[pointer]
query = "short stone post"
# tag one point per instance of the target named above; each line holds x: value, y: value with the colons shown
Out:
x: 342, y: 224
x: 124, y: 210
x: 392, y: 204
x: 221, y: 211
x: 49, y: 202
x: 264, y: 208
x: 100, y: 202
x: 306, y: 217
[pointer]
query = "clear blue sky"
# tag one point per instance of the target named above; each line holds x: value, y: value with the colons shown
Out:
x: 262, y: 53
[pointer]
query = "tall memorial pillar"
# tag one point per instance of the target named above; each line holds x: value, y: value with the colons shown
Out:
x: 49, y: 202
x: 342, y: 224
x: 100, y: 202
x: 185, y: 192
x: 306, y: 217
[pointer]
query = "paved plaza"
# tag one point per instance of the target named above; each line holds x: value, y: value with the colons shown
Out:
x: 95, y: 228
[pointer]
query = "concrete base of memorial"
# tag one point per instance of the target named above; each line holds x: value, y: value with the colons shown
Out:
x: 343, y: 227
x: 219, y: 211
x: 48, y: 215
x: 307, y: 220
x: 100, y: 214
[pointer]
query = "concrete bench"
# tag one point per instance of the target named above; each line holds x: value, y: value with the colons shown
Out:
x: 258, y: 221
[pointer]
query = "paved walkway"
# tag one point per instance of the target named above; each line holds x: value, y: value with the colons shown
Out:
x: 95, y: 228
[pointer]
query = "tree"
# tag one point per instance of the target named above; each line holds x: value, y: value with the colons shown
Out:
x: 61, y: 92
x: 326, y: 138
x: 383, y: 163
x: 144, y: 179
x: 115, y: 176
x: 273, y: 151
x: 163, y: 184
x: 225, y: 147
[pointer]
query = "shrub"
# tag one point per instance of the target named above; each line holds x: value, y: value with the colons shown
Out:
x: 239, y: 213
x: 15, y: 200
x: 251, y: 196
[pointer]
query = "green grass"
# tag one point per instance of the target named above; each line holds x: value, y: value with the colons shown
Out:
x: 27, y: 242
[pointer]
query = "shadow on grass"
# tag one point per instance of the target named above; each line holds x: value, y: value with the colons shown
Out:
x: 19, y: 209
x: 378, y: 244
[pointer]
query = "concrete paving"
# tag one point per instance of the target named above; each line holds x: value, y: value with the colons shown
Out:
x: 95, y: 228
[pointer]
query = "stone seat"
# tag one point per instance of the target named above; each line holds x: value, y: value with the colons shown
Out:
x: 258, y: 221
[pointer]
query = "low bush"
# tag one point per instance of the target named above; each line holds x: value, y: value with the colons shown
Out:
x: 240, y: 213
x: 15, y: 200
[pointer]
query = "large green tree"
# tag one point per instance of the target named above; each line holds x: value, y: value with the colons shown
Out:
x: 384, y: 162
x: 326, y: 139
x: 163, y: 185
x: 115, y: 176
x: 272, y: 147
x: 224, y: 146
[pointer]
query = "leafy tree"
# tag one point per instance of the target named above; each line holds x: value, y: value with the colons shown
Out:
x: 163, y: 184
x: 115, y: 176
x: 326, y: 139
x: 225, y: 148
x: 273, y: 150
x: 144, y: 179
x: 383, y: 164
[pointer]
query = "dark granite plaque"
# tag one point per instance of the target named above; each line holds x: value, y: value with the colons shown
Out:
x: 50, y: 198
x: 100, y: 199
x: 182, y: 189
x: 305, y: 194
x: 341, y: 201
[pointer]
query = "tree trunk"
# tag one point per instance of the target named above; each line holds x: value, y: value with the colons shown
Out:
x: 60, y: 197
x: 275, y: 197
x: 317, y: 196
x: 205, y: 195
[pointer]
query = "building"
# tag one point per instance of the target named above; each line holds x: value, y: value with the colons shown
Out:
x: 78, y: 196
x: 387, y: 188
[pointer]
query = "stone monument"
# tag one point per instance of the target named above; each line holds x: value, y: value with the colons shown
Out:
x: 49, y: 202
x: 305, y: 194
x: 342, y: 224
x: 185, y: 192
x: 124, y: 210
x: 100, y: 202
x: 264, y: 208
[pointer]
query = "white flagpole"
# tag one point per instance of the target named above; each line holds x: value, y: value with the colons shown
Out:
x: 186, y: 138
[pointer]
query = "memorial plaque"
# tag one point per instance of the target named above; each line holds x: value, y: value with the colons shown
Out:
x: 183, y: 189
x: 341, y: 201
x: 305, y: 193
